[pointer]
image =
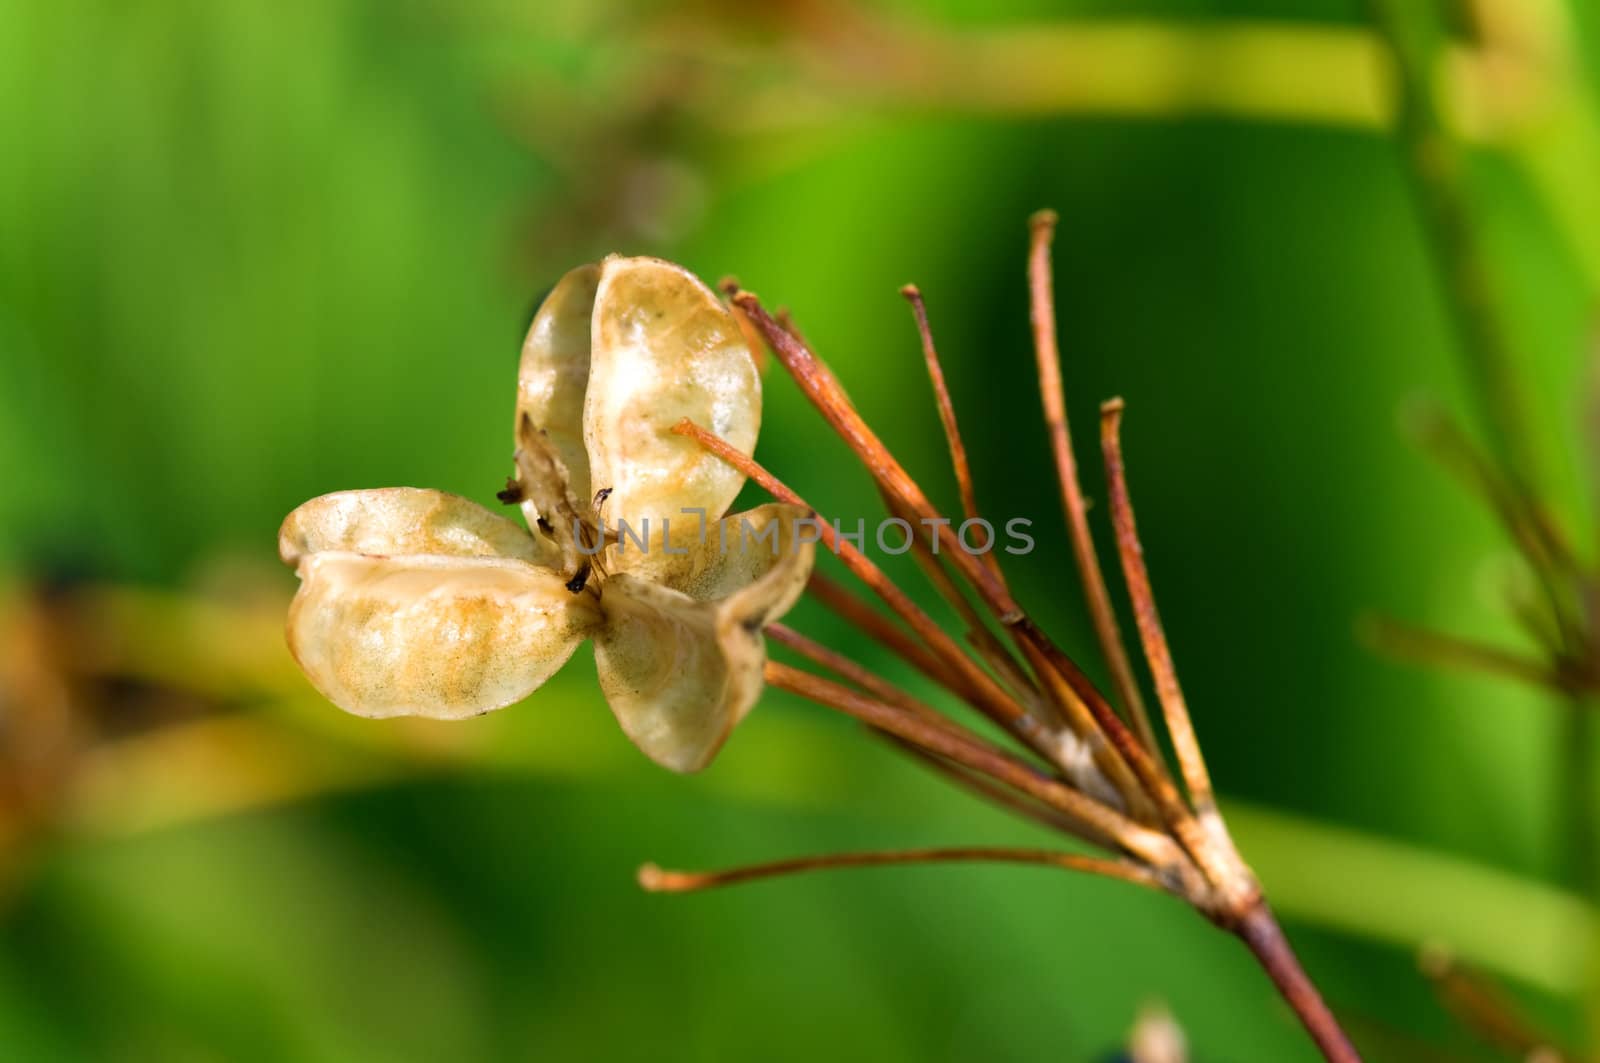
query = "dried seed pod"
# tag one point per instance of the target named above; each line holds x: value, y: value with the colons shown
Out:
x: 680, y: 672
x: 420, y: 603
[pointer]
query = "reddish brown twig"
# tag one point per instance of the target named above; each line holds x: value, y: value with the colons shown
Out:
x: 658, y: 880
x: 885, y: 632
x: 1110, y: 827
x: 988, y: 790
x: 852, y: 672
x: 1174, y: 708
x: 1486, y: 1010
x: 983, y: 641
x: 1088, y: 714
x: 991, y: 698
x: 947, y: 417
x: 1259, y: 930
x: 1047, y: 352
x: 1128, y: 801
x: 1437, y: 648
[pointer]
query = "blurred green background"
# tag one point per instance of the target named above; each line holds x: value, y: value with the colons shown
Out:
x: 251, y: 253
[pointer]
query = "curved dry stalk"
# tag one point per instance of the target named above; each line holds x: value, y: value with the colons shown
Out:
x: 1259, y: 930
x: 1089, y: 716
x: 659, y: 880
x: 851, y: 671
x: 1436, y: 165
x: 1174, y: 708
x: 1047, y: 353
x: 992, y: 698
x: 947, y: 417
x: 884, y: 632
x: 1390, y: 636
x: 987, y: 789
x: 1168, y: 840
x: 1487, y: 1010
x: 1110, y: 828
x: 983, y: 641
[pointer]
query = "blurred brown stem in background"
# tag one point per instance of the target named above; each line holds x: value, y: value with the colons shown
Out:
x: 1508, y: 476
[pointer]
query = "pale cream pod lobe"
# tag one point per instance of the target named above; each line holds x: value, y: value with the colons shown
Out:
x: 665, y: 348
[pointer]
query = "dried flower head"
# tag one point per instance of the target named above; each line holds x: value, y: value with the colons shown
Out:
x: 638, y: 385
x: 1074, y: 758
x: 418, y: 602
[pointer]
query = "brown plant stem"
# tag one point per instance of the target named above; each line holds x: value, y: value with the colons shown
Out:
x: 987, y: 789
x: 1109, y: 827
x: 1396, y: 639
x: 1537, y: 537
x: 1256, y: 925
x: 1174, y: 707
x: 1259, y: 930
x: 947, y: 417
x: 1436, y: 166
x: 983, y: 641
x: 1486, y: 1009
x: 658, y: 880
x: 885, y: 632
x: 729, y: 286
x: 990, y: 696
x: 852, y: 672
x: 1086, y: 710
x: 1047, y: 352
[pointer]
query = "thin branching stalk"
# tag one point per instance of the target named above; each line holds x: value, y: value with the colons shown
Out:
x: 1123, y: 799
x: 659, y: 880
x: 1174, y: 708
x: 1487, y: 1010
x: 991, y: 697
x: 1508, y: 477
x: 852, y: 672
x: 880, y: 629
x: 947, y: 417
x: 1047, y: 355
x: 1435, y: 163
x: 1083, y: 707
x: 1429, y: 647
x: 1111, y: 827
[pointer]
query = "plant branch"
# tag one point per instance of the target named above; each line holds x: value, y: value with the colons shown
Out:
x: 990, y: 696
x: 885, y: 632
x: 987, y: 789
x: 1436, y: 165
x: 1047, y: 352
x: 1484, y: 1008
x: 1174, y: 707
x: 983, y: 641
x: 657, y: 880
x: 947, y: 417
x: 853, y: 672
x: 1537, y: 537
x: 1086, y: 711
x: 1260, y: 932
x: 1108, y: 826
x: 1437, y: 648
